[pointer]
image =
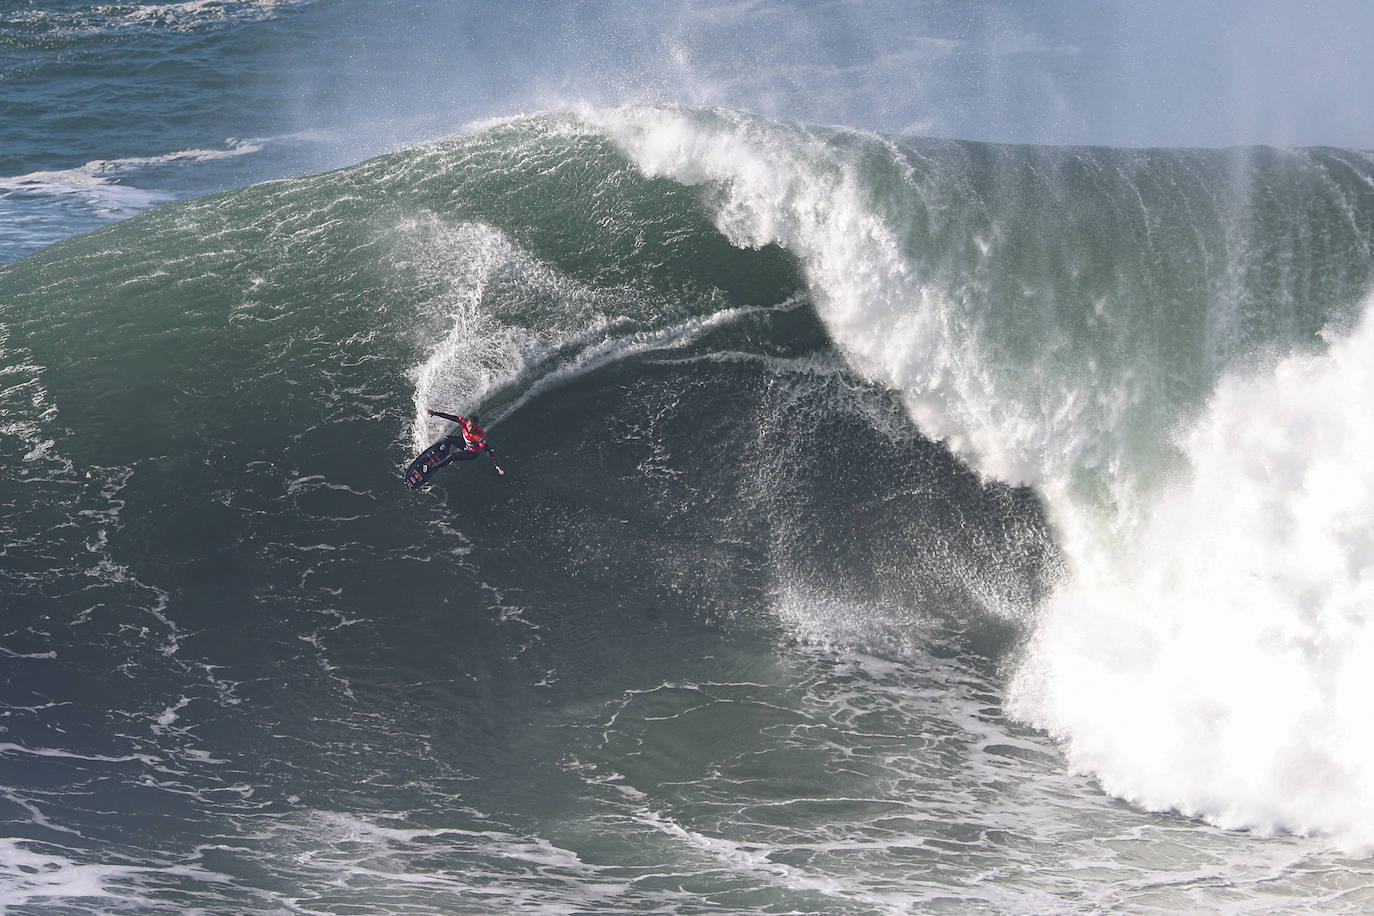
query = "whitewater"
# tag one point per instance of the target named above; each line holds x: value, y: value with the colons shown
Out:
x: 892, y: 523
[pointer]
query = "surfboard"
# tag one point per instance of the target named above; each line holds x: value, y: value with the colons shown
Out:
x: 425, y: 466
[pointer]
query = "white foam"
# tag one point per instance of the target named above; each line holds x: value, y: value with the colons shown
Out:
x: 169, y: 715
x: 101, y: 184
x: 41, y: 208
x: 9, y: 748
x: 1221, y: 661
x: 183, y: 16
x: 381, y: 865
x: 36, y: 878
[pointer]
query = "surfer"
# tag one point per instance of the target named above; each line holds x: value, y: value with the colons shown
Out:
x: 464, y: 447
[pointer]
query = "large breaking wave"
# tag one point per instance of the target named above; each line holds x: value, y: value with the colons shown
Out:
x: 1167, y: 348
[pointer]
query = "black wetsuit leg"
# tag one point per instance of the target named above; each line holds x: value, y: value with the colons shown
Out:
x: 455, y: 450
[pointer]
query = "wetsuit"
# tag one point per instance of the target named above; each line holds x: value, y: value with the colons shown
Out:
x: 471, y: 441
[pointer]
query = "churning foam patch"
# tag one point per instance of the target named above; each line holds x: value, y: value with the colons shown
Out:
x: 183, y: 16
x: 40, y: 208
x: 100, y: 179
x: 1221, y: 662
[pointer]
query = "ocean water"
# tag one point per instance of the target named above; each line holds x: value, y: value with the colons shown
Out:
x: 892, y: 524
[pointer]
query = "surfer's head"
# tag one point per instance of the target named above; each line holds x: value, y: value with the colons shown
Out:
x: 472, y: 420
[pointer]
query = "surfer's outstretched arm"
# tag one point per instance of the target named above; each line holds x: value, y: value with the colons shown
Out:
x: 493, y: 461
x: 446, y: 416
